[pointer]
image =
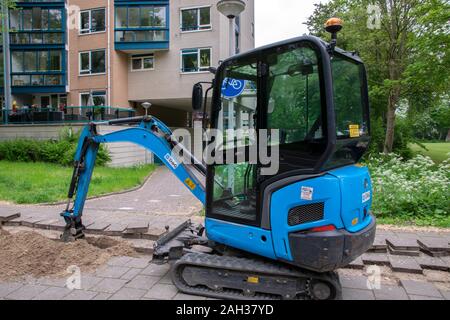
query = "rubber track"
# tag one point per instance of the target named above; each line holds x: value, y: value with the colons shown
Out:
x: 247, y: 266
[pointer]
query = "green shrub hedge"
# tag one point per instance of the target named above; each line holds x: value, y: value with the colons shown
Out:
x: 414, y: 191
x: 60, y: 151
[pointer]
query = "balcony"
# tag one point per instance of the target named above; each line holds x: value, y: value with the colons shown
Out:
x: 37, y: 39
x: 141, y: 25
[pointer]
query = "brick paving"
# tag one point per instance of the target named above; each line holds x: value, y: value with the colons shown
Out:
x: 165, y: 201
x: 139, y: 281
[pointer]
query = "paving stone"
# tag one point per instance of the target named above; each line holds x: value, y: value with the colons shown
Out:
x: 162, y: 292
x: 381, y: 259
x: 137, y: 227
x: 58, y: 225
x: 30, y: 221
x: 167, y: 279
x: 80, y: 295
x: 133, y: 272
x: 8, y: 215
x: 26, y: 292
x: 356, y: 264
x: 156, y: 270
x: 154, y: 233
x: 379, y: 243
x: 446, y: 294
x: 97, y: 227
x: 115, y: 229
x: 354, y: 282
x: 405, y: 264
x: 111, y: 271
x: 142, y: 246
x: 357, y: 294
x: 183, y: 296
x: 140, y: 263
x: 8, y: 287
x: 420, y: 288
x: 52, y: 282
x: 386, y: 233
x: 118, y: 261
x: 434, y: 244
x: 400, y: 243
x: 387, y: 292
x: 102, y: 296
x: 128, y: 294
x: 53, y: 293
x: 432, y: 263
x: 143, y: 282
x: 109, y: 285
x: 408, y: 253
x: 45, y: 224
x: 416, y: 297
x: 406, y: 235
x: 89, y: 281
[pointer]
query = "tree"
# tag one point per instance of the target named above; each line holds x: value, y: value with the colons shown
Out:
x: 405, y: 49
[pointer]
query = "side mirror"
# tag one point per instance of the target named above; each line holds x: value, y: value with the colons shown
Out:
x: 197, y: 97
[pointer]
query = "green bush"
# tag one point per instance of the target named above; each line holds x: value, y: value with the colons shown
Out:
x: 414, y: 191
x: 61, y: 151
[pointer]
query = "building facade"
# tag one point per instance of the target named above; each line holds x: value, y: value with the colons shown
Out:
x: 119, y: 53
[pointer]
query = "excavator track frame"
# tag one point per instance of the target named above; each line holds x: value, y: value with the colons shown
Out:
x: 229, y: 277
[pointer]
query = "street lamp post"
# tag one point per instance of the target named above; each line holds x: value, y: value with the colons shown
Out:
x: 6, y: 61
x: 231, y: 9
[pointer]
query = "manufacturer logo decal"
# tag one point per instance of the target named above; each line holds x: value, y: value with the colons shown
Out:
x: 307, y: 193
x: 365, y: 197
x: 173, y: 163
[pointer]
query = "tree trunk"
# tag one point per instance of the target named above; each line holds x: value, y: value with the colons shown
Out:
x: 390, y: 120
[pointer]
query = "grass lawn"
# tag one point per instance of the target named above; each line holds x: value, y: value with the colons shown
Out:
x: 436, y: 151
x: 31, y: 183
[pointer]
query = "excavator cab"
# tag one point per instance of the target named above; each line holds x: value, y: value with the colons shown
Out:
x: 309, y: 101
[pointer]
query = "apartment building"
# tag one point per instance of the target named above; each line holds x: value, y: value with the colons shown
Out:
x: 119, y: 53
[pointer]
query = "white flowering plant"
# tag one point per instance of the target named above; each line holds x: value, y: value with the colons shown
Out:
x: 415, y: 192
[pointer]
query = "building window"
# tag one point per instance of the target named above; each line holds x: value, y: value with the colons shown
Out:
x: 36, y: 61
x: 141, y: 17
x: 92, y: 62
x: 36, y: 19
x: 195, y: 60
x: 93, y: 99
x: 196, y: 19
x: 92, y: 21
x: 139, y: 63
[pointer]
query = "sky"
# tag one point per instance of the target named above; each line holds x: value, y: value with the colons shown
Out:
x: 277, y: 20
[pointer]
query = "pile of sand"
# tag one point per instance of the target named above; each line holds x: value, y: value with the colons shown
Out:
x: 29, y: 253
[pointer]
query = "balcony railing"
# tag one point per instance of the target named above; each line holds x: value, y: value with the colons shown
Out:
x: 78, y: 114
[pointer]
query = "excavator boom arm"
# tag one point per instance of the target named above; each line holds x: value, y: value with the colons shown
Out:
x: 150, y: 134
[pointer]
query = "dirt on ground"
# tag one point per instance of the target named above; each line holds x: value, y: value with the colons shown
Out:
x: 27, y: 253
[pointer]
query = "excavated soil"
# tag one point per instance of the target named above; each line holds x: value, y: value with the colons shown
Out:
x: 31, y: 254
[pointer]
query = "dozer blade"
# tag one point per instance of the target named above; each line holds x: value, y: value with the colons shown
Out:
x: 174, y: 244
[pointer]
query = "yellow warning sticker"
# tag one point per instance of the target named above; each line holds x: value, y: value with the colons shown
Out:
x: 190, y: 183
x: 354, y: 130
x: 254, y: 280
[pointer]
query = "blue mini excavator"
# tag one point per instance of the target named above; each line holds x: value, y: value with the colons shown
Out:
x: 280, y: 235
